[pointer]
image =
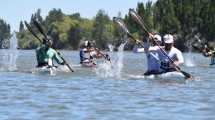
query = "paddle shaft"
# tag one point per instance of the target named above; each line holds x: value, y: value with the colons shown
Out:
x: 125, y: 29
x: 31, y: 31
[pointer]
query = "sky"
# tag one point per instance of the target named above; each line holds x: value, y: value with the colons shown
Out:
x: 14, y: 11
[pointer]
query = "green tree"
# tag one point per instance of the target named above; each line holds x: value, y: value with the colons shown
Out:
x: 102, y: 27
x: 4, y: 34
x: 55, y: 15
x: 74, y: 37
x: 21, y: 27
x: 165, y: 17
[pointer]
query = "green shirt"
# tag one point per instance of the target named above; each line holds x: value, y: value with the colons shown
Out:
x: 52, y: 54
x: 43, y: 55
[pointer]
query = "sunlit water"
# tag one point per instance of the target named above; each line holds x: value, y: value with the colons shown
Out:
x: 85, y: 95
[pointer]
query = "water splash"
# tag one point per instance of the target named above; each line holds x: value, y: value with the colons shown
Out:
x: 189, y: 60
x: 111, y: 47
x: 9, y: 56
x: 114, y: 69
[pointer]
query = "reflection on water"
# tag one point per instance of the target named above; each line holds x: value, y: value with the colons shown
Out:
x: 84, y: 96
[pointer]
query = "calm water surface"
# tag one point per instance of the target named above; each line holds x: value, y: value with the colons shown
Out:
x: 88, y: 95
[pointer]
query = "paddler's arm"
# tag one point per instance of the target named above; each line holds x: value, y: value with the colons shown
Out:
x: 58, y: 58
x: 180, y: 59
x: 146, y: 44
x: 147, y: 47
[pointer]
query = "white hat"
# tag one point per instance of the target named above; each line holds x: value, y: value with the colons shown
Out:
x: 168, y: 38
x: 86, y: 43
x: 157, y: 37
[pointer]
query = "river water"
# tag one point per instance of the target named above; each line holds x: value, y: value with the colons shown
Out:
x: 92, y: 94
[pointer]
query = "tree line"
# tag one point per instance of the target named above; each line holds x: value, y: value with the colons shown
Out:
x: 186, y: 19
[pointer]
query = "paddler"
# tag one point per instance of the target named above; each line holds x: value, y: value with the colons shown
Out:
x: 153, y: 62
x: 88, y: 53
x: 174, y: 59
x: 46, y: 54
x: 206, y: 51
x: 85, y: 56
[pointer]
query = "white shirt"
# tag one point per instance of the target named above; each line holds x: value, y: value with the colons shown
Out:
x: 155, y: 56
x: 174, y: 54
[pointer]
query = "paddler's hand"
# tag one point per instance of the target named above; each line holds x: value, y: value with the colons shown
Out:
x: 151, y: 36
x: 138, y: 41
x: 107, y: 57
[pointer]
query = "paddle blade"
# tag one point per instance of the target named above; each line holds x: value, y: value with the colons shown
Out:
x: 187, y: 75
x: 39, y: 27
x: 31, y: 31
x: 138, y: 19
x: 121, y: 24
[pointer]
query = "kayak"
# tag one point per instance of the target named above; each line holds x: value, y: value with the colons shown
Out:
x: 88, y: 64
x: 167, y: 76
x: 51, y: 70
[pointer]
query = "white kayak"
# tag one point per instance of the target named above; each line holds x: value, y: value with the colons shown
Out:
x: 168, y: 76
x: 88, y: 64
x: 165, y: 76
x: 51, y: 70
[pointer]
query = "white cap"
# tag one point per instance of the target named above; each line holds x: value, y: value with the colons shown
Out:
x: 157, y: 37
x: 168, y: 38
x: 86, y: 43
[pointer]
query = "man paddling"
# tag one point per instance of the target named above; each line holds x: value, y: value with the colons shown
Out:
x: 41, y: 53
x: 169, y: 56
x: 85, y: 55
x: 175, y: 55
x: 46, y: 54
x: 153, y: 60
x: 205, y: 50
x: 88, y: 53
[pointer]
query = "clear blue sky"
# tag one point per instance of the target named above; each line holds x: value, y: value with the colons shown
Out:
x: 13, y: 11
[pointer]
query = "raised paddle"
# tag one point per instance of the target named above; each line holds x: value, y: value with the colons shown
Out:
x: 31, y: 31
x: 139, y: 20
x: 41, y: 30
x: 122, y: 26
x: 39, y: 27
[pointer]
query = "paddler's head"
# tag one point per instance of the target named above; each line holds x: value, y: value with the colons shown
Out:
x: 46, y: 39
x: 88, y: 44
x: 49, y: 41
x: 157, y: 39
x: 168, y: 41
